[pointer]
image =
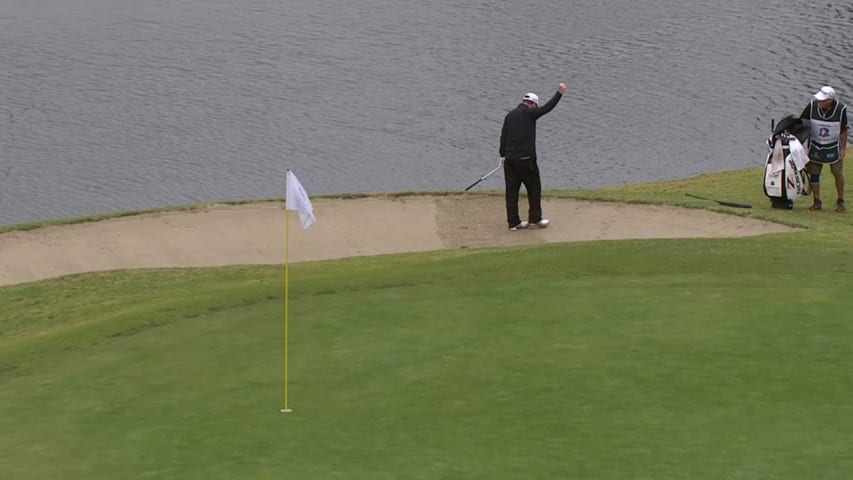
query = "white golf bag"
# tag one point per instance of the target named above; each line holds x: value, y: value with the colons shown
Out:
x: 785, y: 176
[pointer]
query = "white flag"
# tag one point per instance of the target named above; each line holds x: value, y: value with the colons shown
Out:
x: 297, y: 199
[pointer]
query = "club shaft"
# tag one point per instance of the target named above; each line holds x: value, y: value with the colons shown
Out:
x: 500, y: 164
x: 472, y: 185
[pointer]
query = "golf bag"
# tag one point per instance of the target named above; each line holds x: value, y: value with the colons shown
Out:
x: 785, y: 176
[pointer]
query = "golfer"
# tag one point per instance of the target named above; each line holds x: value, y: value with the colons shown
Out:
x: 518, y: 149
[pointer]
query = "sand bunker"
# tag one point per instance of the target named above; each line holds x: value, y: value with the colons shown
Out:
x: 255, y: 233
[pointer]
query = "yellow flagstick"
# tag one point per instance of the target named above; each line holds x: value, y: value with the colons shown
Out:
x: 285, y: 408
x: 295, y: 199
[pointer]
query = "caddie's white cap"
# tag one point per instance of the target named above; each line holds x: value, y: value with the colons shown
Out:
x: 826, y: 92
x: 531, y: 97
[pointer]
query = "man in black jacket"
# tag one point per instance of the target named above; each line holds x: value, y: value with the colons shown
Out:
x: 518, y: 149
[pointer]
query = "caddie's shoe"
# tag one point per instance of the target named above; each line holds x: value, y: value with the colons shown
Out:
x: 840, y: 206
x: 520, y: 226
x: 817, y: 205
x: 542, y: 223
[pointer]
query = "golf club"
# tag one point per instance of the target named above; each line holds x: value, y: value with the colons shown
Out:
x: 721, y: 202
x: 500, y: 164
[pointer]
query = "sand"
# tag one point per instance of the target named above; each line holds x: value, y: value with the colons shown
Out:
x: 255, y: 233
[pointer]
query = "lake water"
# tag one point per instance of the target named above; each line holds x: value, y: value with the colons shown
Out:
x: 112, y: 105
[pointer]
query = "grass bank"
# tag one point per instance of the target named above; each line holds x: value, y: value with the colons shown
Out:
x: 700, y: 358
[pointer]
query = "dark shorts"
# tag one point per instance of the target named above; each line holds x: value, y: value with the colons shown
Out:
x: 814, y: 168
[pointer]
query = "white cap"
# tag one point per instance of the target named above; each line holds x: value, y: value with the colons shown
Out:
x: 531, y: 97
x: 826, y: 92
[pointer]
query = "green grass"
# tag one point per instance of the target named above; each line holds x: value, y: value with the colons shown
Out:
x: 697, y: 358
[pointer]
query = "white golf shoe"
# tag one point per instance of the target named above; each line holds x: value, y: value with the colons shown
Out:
x: 541, y: 223
x: 520, y: 226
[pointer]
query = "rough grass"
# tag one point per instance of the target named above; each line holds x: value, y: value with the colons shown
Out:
x: 685, y: 358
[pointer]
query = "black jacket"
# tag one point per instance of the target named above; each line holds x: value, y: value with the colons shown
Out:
x: 518, y: 135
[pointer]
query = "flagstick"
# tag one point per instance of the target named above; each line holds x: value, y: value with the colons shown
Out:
x: 286, y: 264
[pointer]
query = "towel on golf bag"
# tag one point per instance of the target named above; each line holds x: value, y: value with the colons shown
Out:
x: 798, y: 153
x: 777, y: 158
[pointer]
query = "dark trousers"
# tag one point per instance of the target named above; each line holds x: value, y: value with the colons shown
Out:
x: 517, y: 172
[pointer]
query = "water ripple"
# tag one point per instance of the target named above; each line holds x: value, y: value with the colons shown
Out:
x: 131, y: 106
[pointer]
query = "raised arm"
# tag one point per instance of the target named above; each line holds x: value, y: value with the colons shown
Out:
x: 561, y: 88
